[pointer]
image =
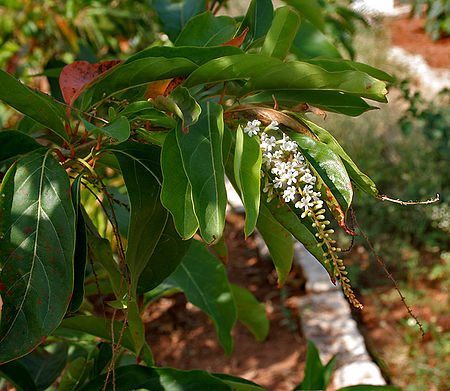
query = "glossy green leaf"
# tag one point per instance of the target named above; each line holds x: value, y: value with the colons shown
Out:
x: 103, y: 358
x: 207, y: 30
x: 311, y: 42
x: 279, y: 242
x: 14, y: 144
x: 182, y: 104
x: 137, y: 73
x: 156, y: 138
x: 251, y: 312
x: 279, y: 39
x: 74, y: 375
x: 333, y: 101
x: 80, y: 254
x: 247, y: 172
x: 238, y: 383
x: 201, y: 153
x: 368, y: 387
x: 203, y: 279
x: 175, y: 15
x: 355, y: 174
x: 300, y: 229
x: 36, y: 106
x: 240, y: 66
x: 37, y: 227
x: 145, y: 111
x: 166, y: 257
x: 45, y: 367
x: 311, y: 10
x: 317, y: 376
x: 297, y: 75
x: 133, y: 377
x: 258, y: 20
x: 118, y: 129
x: 198, y: 55
x: 338, y: 64
x: 176, y: 193
x: 139, y: 164
x: 18, y: 375
x: 338, y: 191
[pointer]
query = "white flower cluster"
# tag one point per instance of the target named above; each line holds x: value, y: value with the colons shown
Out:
x: 291, y: 175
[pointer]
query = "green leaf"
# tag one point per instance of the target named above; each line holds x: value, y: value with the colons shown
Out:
x: 338, y: 64
x: 333, y: 101
x: 166, y: 257
x: 133, y: 377
x: 338, y: 191
x: 310, y: 10
x: 36, y: 106
x: 75, y: 375
x: 311, y: 42
x: 175, y: 15
x: 238, y: 383
x: 136, y: 326
x: 14, y: 144
x: 176, y: 193
x: 258, y: 20
x: 137, y: 73
x: 18, y: 375
x: 317, y: 375
x: 198, y: 55
x: 368, y: 387
x: 201, y: 153
x: 46, y: 367
x: 139, y: 164
x: 240, y: 66
x: 303, y: 232
x: 358, y: 177
x: 118, y: 129
x: 247, y: 172
x: 182, y: 104
x: 297, y: 75
x: 204, y: 281
x: 206, y: 30
x: 220, y: 250
x: 38, y: 231
x: 279, y: 39
x: 145, y: 111
x: 251, y: 312
x: 100, y: 327
x: 279, y: 242
x: 80, y: 254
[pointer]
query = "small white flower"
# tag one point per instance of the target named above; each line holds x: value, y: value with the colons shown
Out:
x: 291, y: 176
x: 299, y: 158
x: 252, y: 128
x: 278, y: 154
x: 273, y: 125
x: 289, y: 194
x: 308, y: 178
x: 304, y: 203
x: 267, y: 158
x: 278, y: 182
x: 267, y: 143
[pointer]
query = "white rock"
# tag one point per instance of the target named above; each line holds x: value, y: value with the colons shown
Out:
x: 361, y: 372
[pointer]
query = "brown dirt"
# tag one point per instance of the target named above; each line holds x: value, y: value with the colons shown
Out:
x: 410, y: 35
x: 183, y: 337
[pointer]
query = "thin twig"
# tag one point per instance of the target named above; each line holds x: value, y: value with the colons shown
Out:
x: 390, y: 276
x: 397, y: 201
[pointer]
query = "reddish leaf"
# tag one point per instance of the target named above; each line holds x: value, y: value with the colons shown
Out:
x: 237, y: 41
x: 74, y: 77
